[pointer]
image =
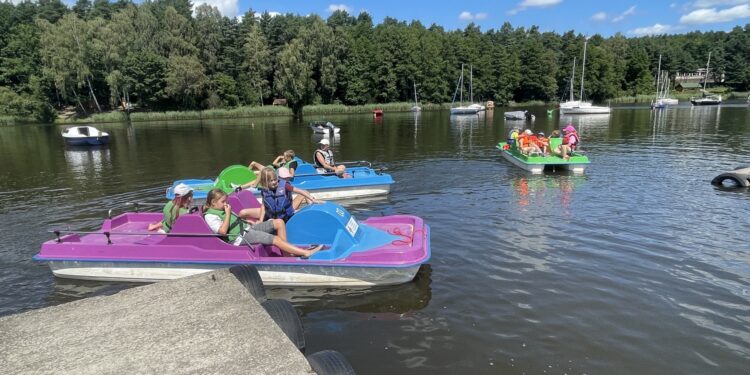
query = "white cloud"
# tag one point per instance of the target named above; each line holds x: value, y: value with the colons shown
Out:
x: 712, y: 3
x: 656, y: 29
x: 468, y: 16
x: 534, y: 4
x: 334, y: 7
x: 228, y: 8
x: 624, y: 14
x: 601, y: 16
x: 702, y: 16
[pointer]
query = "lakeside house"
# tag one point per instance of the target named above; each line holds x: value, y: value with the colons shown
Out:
x: 694, y: 81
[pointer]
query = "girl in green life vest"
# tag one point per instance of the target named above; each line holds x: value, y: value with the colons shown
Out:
x: 219, y: 217
x: 285, y: 160
x: 183, y: 196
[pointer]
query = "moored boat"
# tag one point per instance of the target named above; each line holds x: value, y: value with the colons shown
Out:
x: 711, y: 99
x: 519, y: 115
x: 706, y: 100
x: 471, y: 109
x: 536, y: 163
x: 580, y: 107
x: 377, y: 251
x: 324, y: 127
x: 364, y: 182
x: 85, y: 136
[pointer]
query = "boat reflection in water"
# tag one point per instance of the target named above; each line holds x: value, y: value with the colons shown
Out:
x: 380, y: 303
x: 533, y: 190
x: 86, y: 160
x: 335, y: 140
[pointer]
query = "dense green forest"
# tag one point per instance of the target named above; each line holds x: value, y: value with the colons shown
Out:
x: 160, y: 55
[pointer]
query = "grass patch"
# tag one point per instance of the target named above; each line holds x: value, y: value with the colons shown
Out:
x: 529, y: 103
x: 233, y: 113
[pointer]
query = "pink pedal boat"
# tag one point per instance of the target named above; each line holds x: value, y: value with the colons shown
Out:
x: 377, y: 251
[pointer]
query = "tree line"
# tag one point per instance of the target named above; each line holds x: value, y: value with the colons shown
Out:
x: 162, y: 55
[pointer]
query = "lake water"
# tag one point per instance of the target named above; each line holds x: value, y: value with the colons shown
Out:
x: 638, y: 266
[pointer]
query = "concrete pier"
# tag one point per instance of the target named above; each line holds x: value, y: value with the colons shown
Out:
x: 207, y: 324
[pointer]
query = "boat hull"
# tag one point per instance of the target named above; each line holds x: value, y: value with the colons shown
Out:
x: 705, y: 102
x: 464, y: 111
x: 86, y: 141
x: 590, y: 110
x: 536, y: 165
x: 271, y: 274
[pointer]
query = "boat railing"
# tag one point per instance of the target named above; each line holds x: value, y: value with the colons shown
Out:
x: 108, y: 234
x: 357, y: 163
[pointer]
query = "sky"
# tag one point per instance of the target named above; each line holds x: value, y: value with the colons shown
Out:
x: 605, y: 17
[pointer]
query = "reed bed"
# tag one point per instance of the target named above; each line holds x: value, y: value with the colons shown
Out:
x: 367, y: 108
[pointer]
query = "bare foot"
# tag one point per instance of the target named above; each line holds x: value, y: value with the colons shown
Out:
x: 312, y: 250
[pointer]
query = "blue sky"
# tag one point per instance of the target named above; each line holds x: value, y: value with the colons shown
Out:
x: 630, y: 17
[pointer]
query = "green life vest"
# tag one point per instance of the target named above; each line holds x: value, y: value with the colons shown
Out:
x: 170, y: 216
x: 235, y: 224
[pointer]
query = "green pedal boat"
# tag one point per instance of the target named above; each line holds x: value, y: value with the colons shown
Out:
x: 536, y: 163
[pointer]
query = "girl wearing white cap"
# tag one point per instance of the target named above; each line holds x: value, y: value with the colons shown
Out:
x: 183, y: 196
x: 323, y: 159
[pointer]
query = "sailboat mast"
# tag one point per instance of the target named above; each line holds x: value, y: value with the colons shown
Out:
x: 583, y: 65
x: 471, y: 83
x: 572, y: 79
x: 658, y: 79
x: 706, y: 78
x: 462, y: 85
x: 415, y: 93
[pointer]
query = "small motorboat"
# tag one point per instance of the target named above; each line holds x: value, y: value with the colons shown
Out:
x: 536, y: 163
x: 324, y: 127
x: 85, y: 136
x: 519, y: 115
x: 377, y: 112
x: 706, y: 100
x: 384, y: 250
x: 364, y: 182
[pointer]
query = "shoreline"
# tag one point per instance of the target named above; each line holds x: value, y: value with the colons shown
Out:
x: 310, y: 110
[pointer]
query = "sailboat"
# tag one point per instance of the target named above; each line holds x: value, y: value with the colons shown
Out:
x: 580, y: 107
x: 662, y: 99
x: 706, y: 99
x: 472, y: 109
x: 416, y: 107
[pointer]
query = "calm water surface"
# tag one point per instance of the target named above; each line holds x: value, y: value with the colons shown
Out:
x: 638, y: 266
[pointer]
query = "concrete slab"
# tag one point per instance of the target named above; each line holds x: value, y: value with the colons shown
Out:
x: 207, y: 324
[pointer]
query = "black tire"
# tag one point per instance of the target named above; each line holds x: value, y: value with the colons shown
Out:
x: 285, y: 315
x: 740, y: 179
x: 330, y: 362
x: 250, y: 279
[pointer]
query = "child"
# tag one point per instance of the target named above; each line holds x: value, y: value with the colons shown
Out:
x: 183, y: 196
x: 276, y: 194
x: 219, y: 217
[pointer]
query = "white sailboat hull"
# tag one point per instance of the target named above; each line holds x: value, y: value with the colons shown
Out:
x: 582, y: 108
x: 464, y: 111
